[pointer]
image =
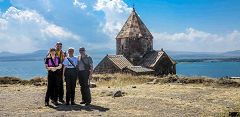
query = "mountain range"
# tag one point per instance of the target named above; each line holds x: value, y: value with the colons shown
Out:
x: 96, y: 54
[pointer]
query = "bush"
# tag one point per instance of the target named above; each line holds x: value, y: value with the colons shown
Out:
x: 227, y: 82
x: 9, y: 80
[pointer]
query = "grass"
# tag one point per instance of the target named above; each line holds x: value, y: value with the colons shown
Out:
x: 172, y: 94
x: 119, y: 80
x: 13, y: 80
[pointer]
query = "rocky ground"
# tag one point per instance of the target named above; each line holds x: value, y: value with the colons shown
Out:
x: 168, y: 99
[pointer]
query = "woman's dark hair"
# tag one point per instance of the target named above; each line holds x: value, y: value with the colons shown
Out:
x: 52, y: 49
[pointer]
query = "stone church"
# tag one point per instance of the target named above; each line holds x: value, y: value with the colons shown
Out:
x: 135, y: 53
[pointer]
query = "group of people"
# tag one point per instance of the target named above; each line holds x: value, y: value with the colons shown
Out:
x: 66, y: 67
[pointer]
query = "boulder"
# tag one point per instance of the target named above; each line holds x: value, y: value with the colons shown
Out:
x: 118, y: 93
x: 93, y: 85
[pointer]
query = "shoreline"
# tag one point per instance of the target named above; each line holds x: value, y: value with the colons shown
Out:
x: 227, y: 82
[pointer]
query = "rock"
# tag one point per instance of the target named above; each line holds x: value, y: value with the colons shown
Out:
x: 109, y: 93
x: 149, y: 83
x: 37, y: 84
x: 117, y: 94
x: 155, y: 81
x: 93, y: 85
x: 134, y: 86
x: 106, y: 93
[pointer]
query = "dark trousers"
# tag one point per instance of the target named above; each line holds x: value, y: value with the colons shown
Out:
x: 51, y: 87
x: 70, y: 78
x: 83, y: 77
x: 60, y: 90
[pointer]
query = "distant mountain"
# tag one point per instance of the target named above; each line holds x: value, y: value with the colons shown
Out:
x: 191, y: 55
x: 232, y: 53
x: 41, y: 54
x: 203, y: 55
x: 99, y: 54
x: 7, y: 54
x: 37, y: 55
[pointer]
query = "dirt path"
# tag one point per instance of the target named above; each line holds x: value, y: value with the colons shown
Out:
x: 144, y: 100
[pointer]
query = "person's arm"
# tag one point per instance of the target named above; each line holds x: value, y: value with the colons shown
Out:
x: 91, y: 68
x: 59, y: 66
x: 46, y: 65
x: 65, y: 62
x: 64, y: 68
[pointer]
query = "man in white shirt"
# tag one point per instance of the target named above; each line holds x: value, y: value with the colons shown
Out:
x: 70, y: 73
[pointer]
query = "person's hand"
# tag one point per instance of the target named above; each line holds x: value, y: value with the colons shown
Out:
x: 49, y: 68
x: 63, y: 78
x: 53, y: 69
x: 90, y: 77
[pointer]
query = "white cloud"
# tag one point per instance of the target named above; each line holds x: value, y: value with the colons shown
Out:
x: 116, y: 13
x: 26, y: 31
x: 195, y: 40
x: 79, y: 4
x: 45, y: 5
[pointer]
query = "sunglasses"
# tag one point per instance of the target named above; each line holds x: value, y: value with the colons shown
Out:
x: 81, y: 50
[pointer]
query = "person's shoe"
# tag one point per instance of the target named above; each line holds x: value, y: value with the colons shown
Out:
x: 82, y: 102
x: 55, y: 103
x: 46, y: 103
x: 87, y: 104
x: 67, y: 103
x: 73, y: 103
x: 52, y: 101
x: 62, y: 101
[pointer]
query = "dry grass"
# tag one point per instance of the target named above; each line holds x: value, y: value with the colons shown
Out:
x: 119, y: 80
x: 170, y: 96
x: 170, y: 100
x: 38, y: 81
x: 10, y: 80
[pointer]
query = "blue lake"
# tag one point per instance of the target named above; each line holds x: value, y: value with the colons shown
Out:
x: 30, y: 69
x: 211, y: 69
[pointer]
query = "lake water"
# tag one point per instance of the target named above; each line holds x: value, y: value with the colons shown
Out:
x: 30, y: 69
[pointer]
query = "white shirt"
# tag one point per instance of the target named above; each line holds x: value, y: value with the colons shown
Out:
x: 67, y: 64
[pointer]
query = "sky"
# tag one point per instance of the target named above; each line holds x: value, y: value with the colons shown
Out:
x: 177, y: 25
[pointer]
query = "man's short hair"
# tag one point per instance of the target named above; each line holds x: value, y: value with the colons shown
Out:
x: 58, y: 43
x: 71, y: 48
x: 81, y: 48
